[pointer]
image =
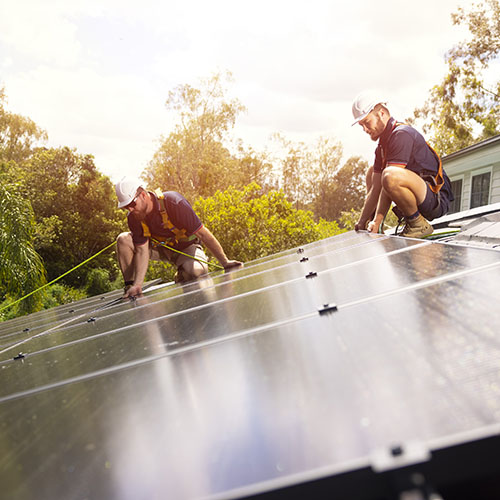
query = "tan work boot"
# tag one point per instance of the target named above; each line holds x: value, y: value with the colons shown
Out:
x: 417, y: 228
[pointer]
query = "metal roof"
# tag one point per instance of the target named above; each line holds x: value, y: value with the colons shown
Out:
x: 474, y: 147
x: 319, y: 371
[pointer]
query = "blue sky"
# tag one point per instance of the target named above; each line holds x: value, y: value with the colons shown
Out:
x: 95, y: 74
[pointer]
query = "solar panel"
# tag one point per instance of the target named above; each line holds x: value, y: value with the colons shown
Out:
x: 301, y: 373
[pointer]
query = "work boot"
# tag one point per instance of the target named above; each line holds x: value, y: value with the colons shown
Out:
x: 181, y: 276
x: 417, y: 228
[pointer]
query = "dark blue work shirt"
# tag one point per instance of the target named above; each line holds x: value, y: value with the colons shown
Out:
x: 180, y: 213
x: 403, y: 145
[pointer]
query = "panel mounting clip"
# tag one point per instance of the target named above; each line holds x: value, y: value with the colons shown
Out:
x: 399, y: 455
x: 327, y: 308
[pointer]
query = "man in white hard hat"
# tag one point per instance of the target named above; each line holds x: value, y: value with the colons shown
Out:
x: 165, y: 217
x: 406, y: 171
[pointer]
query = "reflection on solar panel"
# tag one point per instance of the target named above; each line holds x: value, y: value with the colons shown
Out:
x: 362, y: 366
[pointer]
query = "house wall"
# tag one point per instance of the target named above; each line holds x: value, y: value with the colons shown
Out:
x: 477, y: 161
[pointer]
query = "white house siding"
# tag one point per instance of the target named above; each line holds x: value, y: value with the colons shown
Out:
x: 480, y: 158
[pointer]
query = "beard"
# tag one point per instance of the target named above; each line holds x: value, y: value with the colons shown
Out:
x: 377, y: 129
x: 139, y: 215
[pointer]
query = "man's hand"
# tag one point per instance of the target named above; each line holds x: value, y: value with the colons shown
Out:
x: 133, y: 291
x: 360, y: 225
x: 232, y: 263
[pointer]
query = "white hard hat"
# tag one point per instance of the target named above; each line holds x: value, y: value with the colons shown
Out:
x: 364, y: 103
x: 126, y: 190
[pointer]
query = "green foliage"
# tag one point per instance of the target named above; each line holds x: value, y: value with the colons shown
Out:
x: 58, y: 294
x: 349, y: 218
x: 327, y: 228
x: 461, y: 110
x: 51, y: 296
x: 160, y: 269
x: 55, y: 207
x: 98, y: 282
x: 346, y: 191
x: 21, y: 268
x: 75, y: 211
x: 250, y: 224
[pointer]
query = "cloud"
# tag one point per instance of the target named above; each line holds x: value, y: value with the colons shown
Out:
x: 39, y: 33
x: 96, y: 73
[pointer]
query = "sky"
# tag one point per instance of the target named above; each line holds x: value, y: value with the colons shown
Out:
x: 95, y: 74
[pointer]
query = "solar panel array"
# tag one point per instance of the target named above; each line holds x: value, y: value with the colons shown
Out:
x: 359, y: 352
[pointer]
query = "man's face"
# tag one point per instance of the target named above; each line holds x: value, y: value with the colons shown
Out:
x: 138, y: 207
x: 373, y: 124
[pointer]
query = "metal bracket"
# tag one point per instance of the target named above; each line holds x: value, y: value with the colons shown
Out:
x: 399, y: 455
x: 327, y: 308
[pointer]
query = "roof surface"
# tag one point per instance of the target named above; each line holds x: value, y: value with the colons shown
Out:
x: 359, y: 352
x: 474, y: 147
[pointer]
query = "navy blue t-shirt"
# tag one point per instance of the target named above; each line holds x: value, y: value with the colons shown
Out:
x: 406, y: 146
x: 179, y: 212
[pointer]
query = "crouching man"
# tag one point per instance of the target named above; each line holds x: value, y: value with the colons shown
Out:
x: 406, y: 171
x: 162, y: 217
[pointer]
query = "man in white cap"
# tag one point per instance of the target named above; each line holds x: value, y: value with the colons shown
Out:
x: 406, y: 171
x: 162, y: 217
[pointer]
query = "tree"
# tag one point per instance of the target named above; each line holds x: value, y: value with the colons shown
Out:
x: 75, y: 211
x: 307, y: 172
x: 463, y: 109
x: 312, y: 178
x: 192, y: 159
x: 250, y: 224
x: 198, y: 157
x: 345, y: 192
x: 21, y: 268
x: 57, y: 210
x: 295, y: 170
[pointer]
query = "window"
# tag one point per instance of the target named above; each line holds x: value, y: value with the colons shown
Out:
x: 480, y: 192
x: 456, y: 189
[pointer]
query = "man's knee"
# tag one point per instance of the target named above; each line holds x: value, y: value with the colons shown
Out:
x: 392, y: 178
x: 199, y: 269
x: 124, y: 240
x: 124, y: 237
x: 194, y: 269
